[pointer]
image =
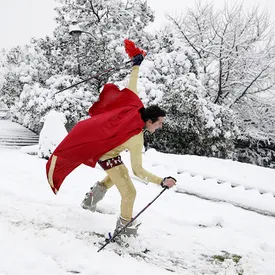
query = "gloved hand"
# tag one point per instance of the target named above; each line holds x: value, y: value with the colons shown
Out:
x: 137, y: 59
x: 168, y: 182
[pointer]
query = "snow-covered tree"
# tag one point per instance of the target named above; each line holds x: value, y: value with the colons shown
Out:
x: 24, y: 65
x: 258, y: 117
x: 3, y: 69
x: 36, y: 101
x: 11, y: 86
x: 235, y: 48
x: 105, y: 25
x: 49, y: 65
x: 171, y: 77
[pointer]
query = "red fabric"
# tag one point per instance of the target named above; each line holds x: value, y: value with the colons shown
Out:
x: 114, y: 119
x: 131, y: 48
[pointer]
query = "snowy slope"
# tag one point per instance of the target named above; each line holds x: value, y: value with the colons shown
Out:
x: 245, y: 185
x: 46, y: 234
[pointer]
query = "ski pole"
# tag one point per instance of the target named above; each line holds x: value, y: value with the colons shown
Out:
x: 95, y: 76
x: 134, y: 218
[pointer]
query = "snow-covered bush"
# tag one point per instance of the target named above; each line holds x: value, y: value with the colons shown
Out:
x: 52, y: 133
x: 35, y: 102
x: 258, y: 152
x: 194, y: 125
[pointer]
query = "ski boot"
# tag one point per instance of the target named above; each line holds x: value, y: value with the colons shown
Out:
x: 129, y: 231
x: 96, y: 194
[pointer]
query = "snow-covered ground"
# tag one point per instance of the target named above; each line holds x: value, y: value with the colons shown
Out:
x: 42, y: 233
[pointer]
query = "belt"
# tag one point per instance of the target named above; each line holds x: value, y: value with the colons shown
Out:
x: 110, y: 163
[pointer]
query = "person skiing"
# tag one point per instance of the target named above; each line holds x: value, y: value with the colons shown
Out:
x: 118, y: 120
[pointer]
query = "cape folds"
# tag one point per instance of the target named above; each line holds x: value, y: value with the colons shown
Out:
x: 115, y: 118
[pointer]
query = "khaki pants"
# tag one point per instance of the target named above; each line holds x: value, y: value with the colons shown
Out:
x: 119, y: 176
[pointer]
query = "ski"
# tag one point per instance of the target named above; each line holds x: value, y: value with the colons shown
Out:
x: 120, y: 248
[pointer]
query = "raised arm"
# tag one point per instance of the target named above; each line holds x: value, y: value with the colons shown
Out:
x: 134, y: 73
x: 133, y: 79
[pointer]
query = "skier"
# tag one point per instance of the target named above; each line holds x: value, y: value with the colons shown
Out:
x: 117, y: 123
x: 117, y: 173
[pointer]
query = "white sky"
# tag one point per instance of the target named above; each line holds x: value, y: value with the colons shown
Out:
x: 22, y: 19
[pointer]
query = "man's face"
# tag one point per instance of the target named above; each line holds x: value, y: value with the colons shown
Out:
x: 152, y: 127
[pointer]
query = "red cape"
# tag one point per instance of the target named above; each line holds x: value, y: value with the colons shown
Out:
x: 115, y: 118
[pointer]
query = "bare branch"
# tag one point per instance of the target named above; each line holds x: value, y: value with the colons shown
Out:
x: 93, y: 11
x: 250, y: 84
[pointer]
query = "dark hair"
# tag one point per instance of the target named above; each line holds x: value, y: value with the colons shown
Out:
x: 152, y: 112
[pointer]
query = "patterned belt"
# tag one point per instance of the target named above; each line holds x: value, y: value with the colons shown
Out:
x: 110, y: 163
